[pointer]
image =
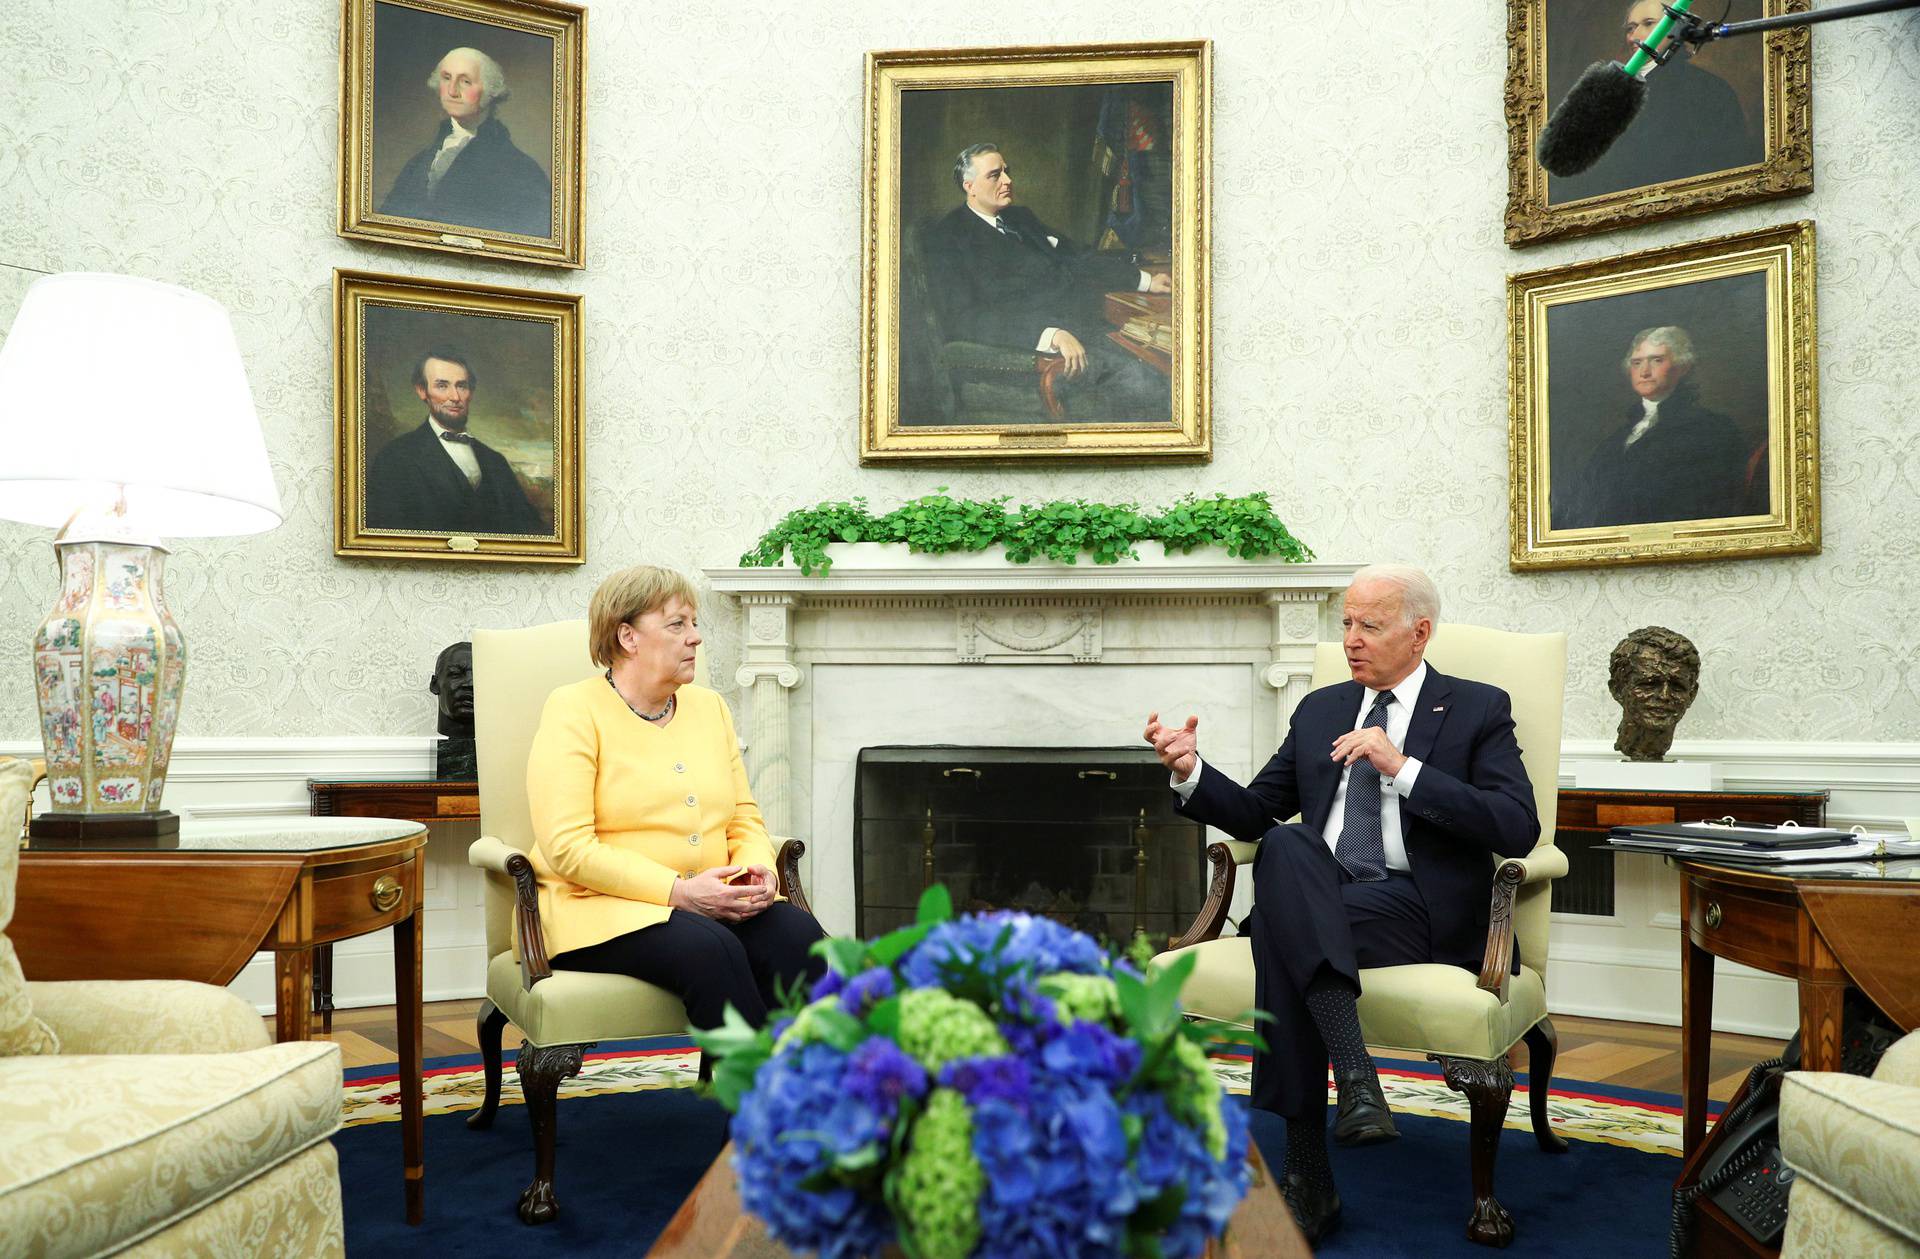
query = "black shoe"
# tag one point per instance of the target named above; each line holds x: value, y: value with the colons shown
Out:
x: 1364, y: 1118
x: 1316, y: 1212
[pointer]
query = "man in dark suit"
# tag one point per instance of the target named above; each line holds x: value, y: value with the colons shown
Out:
x: 1666, y: 457
x: 998, y: 275
x: 437, y: 478
x: 471, y: 174
x: 1408, y: 783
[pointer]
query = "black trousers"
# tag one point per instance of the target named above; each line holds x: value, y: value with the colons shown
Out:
x: 1115, y: 386
x: 711, y: 964
x: 1309, y: 916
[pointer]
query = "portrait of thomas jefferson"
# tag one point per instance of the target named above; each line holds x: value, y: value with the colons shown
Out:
x: 1664, y: 455
x: 1695, y: 119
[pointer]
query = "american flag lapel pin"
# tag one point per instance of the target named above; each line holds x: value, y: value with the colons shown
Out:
x: 1439, y: 708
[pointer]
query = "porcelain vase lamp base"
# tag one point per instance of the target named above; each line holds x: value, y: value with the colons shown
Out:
x: 108, y: 667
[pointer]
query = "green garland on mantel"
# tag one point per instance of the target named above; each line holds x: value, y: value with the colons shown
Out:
x: 1062, y: 530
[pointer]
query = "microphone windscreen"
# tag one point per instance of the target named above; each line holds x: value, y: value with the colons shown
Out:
x: 1592, y: 115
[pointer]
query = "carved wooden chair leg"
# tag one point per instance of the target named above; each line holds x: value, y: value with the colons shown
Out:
x: 488, y: 1023
x: 1489, y: 1088
x: 542, y: 1067
x: 1543, y: 1046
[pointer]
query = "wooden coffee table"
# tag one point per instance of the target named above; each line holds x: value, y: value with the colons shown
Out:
x: 711, y: 1225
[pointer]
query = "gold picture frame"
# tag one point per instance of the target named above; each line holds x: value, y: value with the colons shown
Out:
x: 498, y: 369
x: 488, y: 164
x: 1078, y: 327
x: 1742, y: 112
x: 1724, y: 463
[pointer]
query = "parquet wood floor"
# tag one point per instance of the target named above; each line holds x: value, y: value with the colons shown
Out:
x: 1631, y: 1055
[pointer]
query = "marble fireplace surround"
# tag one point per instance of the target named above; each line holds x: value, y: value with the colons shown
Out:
x: 890, y: 648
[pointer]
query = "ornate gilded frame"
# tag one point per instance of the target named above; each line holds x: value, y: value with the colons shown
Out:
x: 1784, y: 257
x: 1188, y: 67
x: 1787, y: 169
x: 353, y: 293
x: 566, y: 25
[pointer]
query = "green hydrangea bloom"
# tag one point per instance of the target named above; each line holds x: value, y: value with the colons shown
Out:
x: 1091, y: 998
x: 803, y: 1031
x: 937, y: 1027
x: 940, y: 1180
x: 1196, y: 1099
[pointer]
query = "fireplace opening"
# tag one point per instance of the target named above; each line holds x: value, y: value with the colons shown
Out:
x: 1086, y: 836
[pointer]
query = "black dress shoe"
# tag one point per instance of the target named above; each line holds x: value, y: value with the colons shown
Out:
x: 1317, y: 1212
x: 1363, y: 1118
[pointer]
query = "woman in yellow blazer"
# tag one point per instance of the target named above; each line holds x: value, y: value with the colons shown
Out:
x: 652, y: 857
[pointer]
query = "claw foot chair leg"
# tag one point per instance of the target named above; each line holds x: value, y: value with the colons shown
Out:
x: 488, y: 1023
x: 1543, y: 1046
x: 542, y: 1067
x: 1489, y: 1088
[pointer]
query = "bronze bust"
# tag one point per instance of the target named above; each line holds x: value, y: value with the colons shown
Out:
x: 452, y: 684
x: 1654, y: 675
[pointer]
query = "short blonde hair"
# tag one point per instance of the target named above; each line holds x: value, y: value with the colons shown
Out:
x: 627, y: 596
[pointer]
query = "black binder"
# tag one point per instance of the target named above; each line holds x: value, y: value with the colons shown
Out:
x: 1734, y: 838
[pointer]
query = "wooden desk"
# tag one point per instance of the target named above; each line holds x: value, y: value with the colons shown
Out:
x: 232, y: 889
x: 1826, y: 932
x: 710, y: 1224
x: 415, y: 797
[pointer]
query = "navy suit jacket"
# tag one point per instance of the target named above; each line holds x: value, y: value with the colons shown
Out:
x: 1006, y: 290
x: 414, y: 484
x: 1471, y: 802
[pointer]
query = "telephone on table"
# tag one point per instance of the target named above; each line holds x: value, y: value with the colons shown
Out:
x: 1747, y: 1178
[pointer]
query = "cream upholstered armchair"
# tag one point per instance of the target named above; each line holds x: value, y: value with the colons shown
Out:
x: 1855, y: 1143
x: 560, y: 1013
x: 1468, y: 1023
x: 153, y: 1117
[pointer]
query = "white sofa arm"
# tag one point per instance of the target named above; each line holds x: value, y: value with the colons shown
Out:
x: 146, y: 1016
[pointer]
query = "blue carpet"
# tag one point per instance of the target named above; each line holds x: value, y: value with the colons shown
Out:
x: 626, y: 1160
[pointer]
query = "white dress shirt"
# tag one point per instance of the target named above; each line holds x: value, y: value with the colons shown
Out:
x: 461, y: 453
x: 1392, y: 790
x: 1045, y: 345
x: 457, y: 139
x: 1650, y: 416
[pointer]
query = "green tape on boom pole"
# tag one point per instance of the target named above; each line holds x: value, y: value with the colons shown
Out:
x: 1641, y: 61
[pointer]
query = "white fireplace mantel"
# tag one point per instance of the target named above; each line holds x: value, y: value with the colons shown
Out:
x: 894, y: 648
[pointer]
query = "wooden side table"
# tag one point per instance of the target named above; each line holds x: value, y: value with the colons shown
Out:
x: 1848, y: 925
x: 413, y: 797
x: 232, y: 889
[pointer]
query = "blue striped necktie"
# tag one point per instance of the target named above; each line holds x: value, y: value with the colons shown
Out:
x: 1361, y: 850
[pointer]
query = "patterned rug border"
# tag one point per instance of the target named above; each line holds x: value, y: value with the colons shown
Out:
x: 1580, y: 1111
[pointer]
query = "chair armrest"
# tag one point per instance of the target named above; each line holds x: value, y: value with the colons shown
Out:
x: 786, y: 867
x: 146, y: 1016
x: 1542, y: 864
x: 498, y: 857
x: 1225, y: 857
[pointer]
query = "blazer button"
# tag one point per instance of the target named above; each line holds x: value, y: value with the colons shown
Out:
x: 693, y: 839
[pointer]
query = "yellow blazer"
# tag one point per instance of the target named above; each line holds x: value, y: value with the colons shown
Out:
x: 622, y: 807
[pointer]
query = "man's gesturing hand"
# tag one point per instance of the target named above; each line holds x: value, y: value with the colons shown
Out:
x: 1370, y: 743
x: 1068, y: 347
x: 1176, y: 746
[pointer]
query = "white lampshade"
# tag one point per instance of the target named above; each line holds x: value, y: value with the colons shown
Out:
x: 112, y: 381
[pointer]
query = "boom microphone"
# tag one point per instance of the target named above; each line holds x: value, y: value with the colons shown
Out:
x: 1597, y: 110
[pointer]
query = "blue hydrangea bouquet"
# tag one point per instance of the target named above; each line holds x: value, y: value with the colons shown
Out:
x: 986, y: 1086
